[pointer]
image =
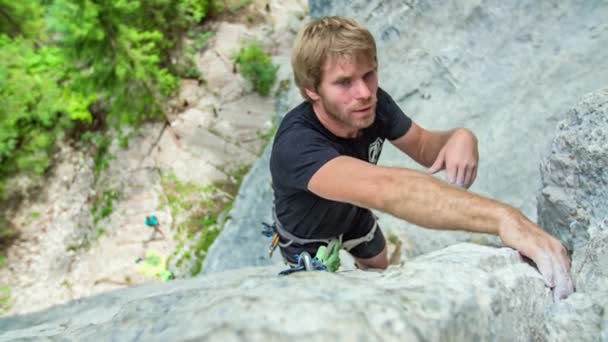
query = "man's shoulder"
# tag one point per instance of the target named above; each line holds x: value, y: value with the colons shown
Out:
x: 299, y: 114
x: 297, y: 123
x: 300, y: 134
x: 384, y: 99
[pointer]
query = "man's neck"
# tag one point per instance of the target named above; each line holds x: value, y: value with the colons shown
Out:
x: 333, y: 125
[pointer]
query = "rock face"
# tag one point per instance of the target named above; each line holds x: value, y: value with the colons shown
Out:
x: 460, y: 293
x: 582, y: 316
x: 432, y: 298
x: 70, y: 246
x: 573, y: 205
x: 508, y: 71
x: 255, y: 196
x: 574, y: 175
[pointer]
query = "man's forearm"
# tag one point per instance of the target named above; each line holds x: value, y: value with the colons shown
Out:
x: 429, y: 202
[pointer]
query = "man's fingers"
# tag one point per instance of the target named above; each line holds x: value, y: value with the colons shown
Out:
x: 460, y: 175
x: 471, y: 173
x: 451, y: 173
x: 555, y: 272
x: 563, y: 283
x: 565, y: 258
x: 545, y: 267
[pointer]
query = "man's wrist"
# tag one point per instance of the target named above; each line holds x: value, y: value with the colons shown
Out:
x: 507, y: 218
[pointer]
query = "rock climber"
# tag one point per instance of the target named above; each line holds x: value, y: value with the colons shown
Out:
x: 325, y: 177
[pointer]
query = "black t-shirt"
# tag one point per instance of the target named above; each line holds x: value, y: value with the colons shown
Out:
x: 302, y: 145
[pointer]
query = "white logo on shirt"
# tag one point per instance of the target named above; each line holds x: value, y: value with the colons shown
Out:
x: 373, y: 153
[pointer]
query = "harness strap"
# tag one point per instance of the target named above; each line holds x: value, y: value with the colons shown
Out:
x: 350, y: 244
x: 292, y: 238
x: 347, y: 245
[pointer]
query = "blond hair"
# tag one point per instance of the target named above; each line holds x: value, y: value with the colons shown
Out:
x: 325, y: 39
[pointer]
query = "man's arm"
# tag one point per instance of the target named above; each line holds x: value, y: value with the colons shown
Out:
x: 454, y: 150
x: 426, y: 201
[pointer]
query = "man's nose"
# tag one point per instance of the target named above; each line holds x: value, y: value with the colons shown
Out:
x: 362, y: 91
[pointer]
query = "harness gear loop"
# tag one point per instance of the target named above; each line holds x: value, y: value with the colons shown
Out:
x: 327, y: 254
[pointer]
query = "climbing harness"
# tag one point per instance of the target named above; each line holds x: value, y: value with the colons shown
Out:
x: 327, y: 257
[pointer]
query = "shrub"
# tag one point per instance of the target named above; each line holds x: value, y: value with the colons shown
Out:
x: 34, y: 110
x: 256, y: 66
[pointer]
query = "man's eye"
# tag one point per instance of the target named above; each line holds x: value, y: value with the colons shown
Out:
x: 344, y: 82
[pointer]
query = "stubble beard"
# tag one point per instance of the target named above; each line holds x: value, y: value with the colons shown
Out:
x: 347, y: 119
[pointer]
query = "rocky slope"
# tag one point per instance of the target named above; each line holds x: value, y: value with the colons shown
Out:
x: 461, y: 293
x: 66, y: 252
x: 516, y: 89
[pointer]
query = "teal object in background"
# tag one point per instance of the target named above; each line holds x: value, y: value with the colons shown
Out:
x: 151, y: 220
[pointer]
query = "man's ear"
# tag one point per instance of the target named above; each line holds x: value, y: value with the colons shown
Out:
x: 313, y: 95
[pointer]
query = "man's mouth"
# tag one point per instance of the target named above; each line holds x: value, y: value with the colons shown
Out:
x: 365, y: 109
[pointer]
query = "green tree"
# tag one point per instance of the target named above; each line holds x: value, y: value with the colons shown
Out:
x: 34, y: 109
x: 97, y: 63
x: 121, y: 50
x: 21, y: 18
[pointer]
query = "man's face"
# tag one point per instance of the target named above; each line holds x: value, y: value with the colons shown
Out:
x: 347, y: 92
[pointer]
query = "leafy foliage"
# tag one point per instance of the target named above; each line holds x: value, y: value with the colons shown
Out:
x: 120, y: 50
x: 201, y: 211
x: 81, y: 66
x: 103, y: 205
x: 34, y: 110
x: 256, y: 66
x: 21, y: 18
x: 229, y: 5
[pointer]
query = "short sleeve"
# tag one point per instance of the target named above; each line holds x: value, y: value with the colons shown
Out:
x: 396, y: 123
x: 297, y: 156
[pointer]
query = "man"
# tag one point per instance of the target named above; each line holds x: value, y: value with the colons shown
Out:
x: 323, y: 160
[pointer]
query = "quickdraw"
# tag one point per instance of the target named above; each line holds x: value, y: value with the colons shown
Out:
x: 270, y: 231
x: 326, y: 259
x: 305, y: 263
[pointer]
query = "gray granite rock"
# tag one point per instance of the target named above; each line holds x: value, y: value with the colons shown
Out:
x: 581, y: 317
x: 574, y: 176
x: 462, y: 293
x: 241, y: 242
x: 573, y: 205
x: 589, y: 262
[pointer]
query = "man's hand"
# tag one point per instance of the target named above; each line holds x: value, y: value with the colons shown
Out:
x: 549, y: 255
x: 459, y: 157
